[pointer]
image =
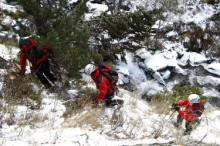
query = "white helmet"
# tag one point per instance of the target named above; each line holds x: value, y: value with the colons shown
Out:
x: 194, y: 98
x: 90, y: 68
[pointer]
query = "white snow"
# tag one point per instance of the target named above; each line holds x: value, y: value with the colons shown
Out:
x: 72, y: 1
x: 171, y: 33
x: 211, y: 92
x: 143, y: 53
x: 1, y: 85
x: 4, y: 6
x: 7, y: 53
x: 3, y: 71
x: 96, y: 10
x: 6, y: 21
x: 134, y: 123
x: 130, y: 69
x: 208, y: 80
x: 72, y: 93
x: 192, y: 58
x: 210, y: 125
x: 198, y: 13
x: 214, y: 68
x: 160, y: 61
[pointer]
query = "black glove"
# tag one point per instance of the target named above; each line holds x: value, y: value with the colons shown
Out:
x: 197, y: 112
x: 175, y: 107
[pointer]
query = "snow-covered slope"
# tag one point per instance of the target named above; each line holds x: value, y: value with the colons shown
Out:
x: 136, y: 122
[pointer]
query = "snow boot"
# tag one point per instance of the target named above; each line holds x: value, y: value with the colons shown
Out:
x: 116, y: 102
x: 176, y: 124
x: 187, y: 132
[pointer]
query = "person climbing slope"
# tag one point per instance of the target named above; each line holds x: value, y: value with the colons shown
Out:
x: 193, y: 110
x: 39, y: 61
x: 105, y: 80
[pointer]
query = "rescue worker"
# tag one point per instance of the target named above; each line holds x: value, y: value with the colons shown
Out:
x: 39, y: 61
x: 193, y: 110
x: 107, y: 87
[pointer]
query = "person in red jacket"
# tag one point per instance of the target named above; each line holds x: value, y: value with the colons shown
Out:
x: 193, y: 110
x: 39, y: 60
x: 107, y: 87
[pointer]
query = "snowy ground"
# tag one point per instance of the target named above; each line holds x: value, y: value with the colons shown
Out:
x: 135, y: 122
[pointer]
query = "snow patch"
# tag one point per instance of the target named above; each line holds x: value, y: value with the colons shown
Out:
x: 73, y: 93
x: 214, y: 68
x: 4, y: 6
x: 210, y: 92
x: 7, y: 53
x: 208, y: 80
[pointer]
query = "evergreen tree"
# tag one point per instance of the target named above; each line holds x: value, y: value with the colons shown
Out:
x: 64, y: 30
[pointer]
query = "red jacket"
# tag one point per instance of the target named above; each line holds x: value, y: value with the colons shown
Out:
x: 103, y: 84
x: 189, y: 114
x: 34, y: 62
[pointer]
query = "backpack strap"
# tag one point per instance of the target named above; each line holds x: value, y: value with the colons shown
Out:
x: 99, y: 81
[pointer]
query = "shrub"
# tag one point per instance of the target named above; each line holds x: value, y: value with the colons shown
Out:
x: 153, y: 44
x: 118, y: 25
x: 178, y: 93
x: 212, y: 2
x: 199, y: 39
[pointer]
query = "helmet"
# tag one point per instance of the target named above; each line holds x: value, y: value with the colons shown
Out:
x: 90, y: 68
x: 194, y: 98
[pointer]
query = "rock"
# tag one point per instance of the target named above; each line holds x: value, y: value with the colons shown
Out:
x: 213, y: 68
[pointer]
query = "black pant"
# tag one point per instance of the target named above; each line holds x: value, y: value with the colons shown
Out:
x: 43, y: 73
x: 188, y: 124
x: 108, y: 99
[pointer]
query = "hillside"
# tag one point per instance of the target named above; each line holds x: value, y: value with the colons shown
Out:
x: 163, y: 51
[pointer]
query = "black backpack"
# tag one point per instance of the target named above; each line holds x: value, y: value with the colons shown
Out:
x: 110, y: 74
x: 28, y: 47
x: 35, y: 53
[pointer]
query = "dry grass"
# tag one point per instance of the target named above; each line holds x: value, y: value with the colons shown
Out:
x: 31, y: 119
x: 160, y: 107
x: 91, y: 117
x: 7, y: 114
x: 85, y: 99
x: 85, y: 108
x: 18, y: 90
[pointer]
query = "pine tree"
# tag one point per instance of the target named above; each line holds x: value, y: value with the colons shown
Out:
x: 64, y: 30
